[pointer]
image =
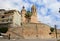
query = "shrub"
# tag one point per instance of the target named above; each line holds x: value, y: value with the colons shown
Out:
x: 3, y: 29
x: 52, y: 29
x: 58, y: 40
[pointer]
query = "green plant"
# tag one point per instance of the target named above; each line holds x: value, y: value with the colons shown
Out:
x: 58, y: 40
x: 52, y: 29
x: 28, y: 16
x: 3, y: 29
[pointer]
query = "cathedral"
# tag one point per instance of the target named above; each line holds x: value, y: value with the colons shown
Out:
x: 15, y: 17
x: 33, y: 30
x: 33, y: 17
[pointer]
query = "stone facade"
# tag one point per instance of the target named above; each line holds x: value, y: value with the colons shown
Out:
x: 33, y: 17
x: 32, y: 30
x: 11, y: 17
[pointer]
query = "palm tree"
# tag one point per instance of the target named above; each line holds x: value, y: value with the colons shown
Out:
x: 28, y: 16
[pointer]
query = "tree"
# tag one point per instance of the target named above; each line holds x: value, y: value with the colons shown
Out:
x: 3, y: 29
x: 52, y: 29
x: 28, y: 16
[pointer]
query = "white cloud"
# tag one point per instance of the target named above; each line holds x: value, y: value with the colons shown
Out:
x: 55, y: 6
x: 43, y: 11
x: 10, y: 4
x: 50, y: 19
x: 51, y: 4
x: 32, y: 0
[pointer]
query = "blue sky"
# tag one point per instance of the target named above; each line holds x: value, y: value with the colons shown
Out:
x: 47, y: 10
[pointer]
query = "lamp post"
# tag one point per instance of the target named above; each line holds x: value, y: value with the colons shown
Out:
x: 56, y: 26
x: 59, y: 10
x: 56, y: 31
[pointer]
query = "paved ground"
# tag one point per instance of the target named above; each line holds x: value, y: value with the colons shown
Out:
x: 28, y: 40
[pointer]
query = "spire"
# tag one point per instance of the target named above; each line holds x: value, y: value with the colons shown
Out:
x: 33, y: 10
x: 33, y: 7
x: 23, y: 9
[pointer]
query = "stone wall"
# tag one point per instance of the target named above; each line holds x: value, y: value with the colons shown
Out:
x: 32, y: 31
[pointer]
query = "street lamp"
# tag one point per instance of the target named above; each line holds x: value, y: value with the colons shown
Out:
x: 56, y: 26
x: 59, y: 10
x: 56, y: 30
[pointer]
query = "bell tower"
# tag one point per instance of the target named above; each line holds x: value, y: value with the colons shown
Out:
x: 33, y: 10
x: 23, y: 12
x: 34, y: 14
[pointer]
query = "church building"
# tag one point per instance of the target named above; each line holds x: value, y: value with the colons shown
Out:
x: 33, y: 17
